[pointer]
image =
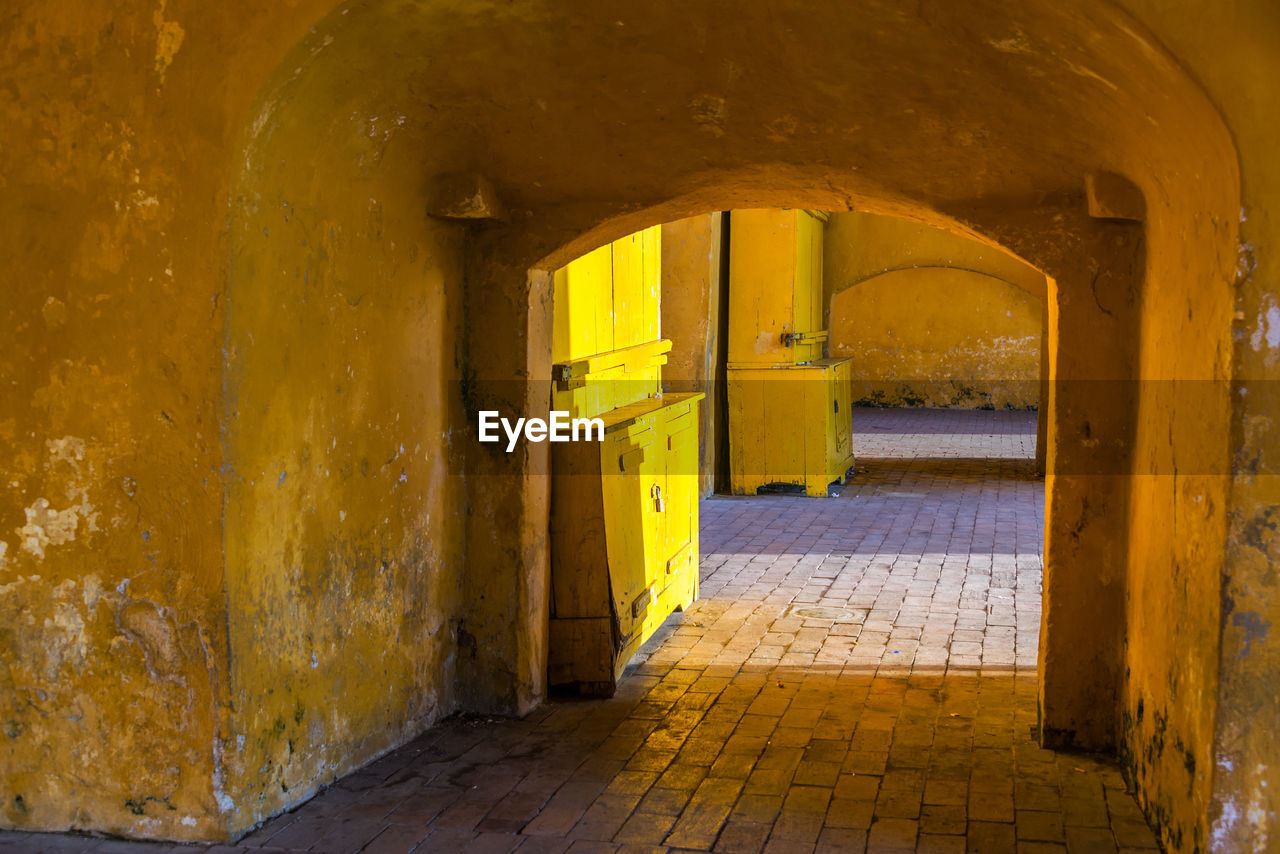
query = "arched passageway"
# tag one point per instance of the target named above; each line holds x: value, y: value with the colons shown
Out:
x: 371, y: 549
x: 999, y: 149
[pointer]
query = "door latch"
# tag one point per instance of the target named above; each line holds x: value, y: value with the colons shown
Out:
x: 656, y: 493
x: 790, y: 339
x: 641, y: 602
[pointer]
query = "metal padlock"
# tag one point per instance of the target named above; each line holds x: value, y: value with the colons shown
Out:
x: 656, y: 492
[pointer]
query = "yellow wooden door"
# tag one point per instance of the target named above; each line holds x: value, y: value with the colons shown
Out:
x: 762, y: 275
x: 802, y: 320
x: 746, y: 430
x: 628, y: 290
x: 681, y: 490
x: 623, y: 455
x: 809, y: 285
x: 651, y: 284
x: 583, y: 323
x: 816, y: 283
x: 842, y: 415
x: 653, y: 522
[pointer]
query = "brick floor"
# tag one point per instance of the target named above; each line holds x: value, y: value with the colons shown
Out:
x: 858, y: 675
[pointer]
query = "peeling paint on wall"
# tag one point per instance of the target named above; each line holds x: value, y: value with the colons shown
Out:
x: 47, y: 526
x: 169, y: 36
x: 1267, y: 332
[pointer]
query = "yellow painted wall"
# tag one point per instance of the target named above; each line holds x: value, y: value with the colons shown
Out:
x: 153, y: 684
x: 1211, y: 614
x: 345, y: 508
x: 930, y: 317
x: 118, y: 120
x: 691, y: 269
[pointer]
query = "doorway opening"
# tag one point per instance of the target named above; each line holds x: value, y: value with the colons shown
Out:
x: 855, y: 670
x: 706, y: 346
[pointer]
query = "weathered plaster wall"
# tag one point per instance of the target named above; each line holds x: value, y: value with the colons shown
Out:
x: 691, y: 286
x: 931, y: 318
x: 117, y: 122
x: 345, y: 508
x: 940, y: 337
x: 1231, y: 50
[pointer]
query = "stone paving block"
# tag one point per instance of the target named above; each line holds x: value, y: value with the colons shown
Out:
x: 816, y: 773
x: 946, y: 792
x: 427, y: 803
x: 898, y: 803
x: 1026, y: 847
x: 844, y: 813
x: 742, y: 838
x: 257, y: 838
x: 490, y: 843
x: 542, y: 845
x: 591, y: 846
x: 396, y: 839
x: 991, y: 807
x: 1041, y: 826
x: 328, y: 835
x: 650, y: 760
x: 645, y: 828
x: 1084, y: 812
x: 700, y: 822
x: 943, y: 819
x: 929, y: 843
x: 892, y: 835
x: 835, y: 840
x: 53, y: 843
x: 986, y: 837
x: 1033, y: 796
x: 857, y: 787
x: 757, y: 809
x: 802, y: 814
x: 1088, y: 840
x: 865, y: 762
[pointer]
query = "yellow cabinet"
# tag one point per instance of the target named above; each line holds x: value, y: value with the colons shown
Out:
x: 624, y: 538
x: 789, y: 419
x: 624, y: 519
x: 789, y: 425
x: 775, y: 287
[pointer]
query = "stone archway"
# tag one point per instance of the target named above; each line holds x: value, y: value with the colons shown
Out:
x: 986, y: 120
x: 698, y: 120
x: 299, y: 370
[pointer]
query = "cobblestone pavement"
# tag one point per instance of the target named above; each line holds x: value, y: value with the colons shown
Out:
x: 858, y: 674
